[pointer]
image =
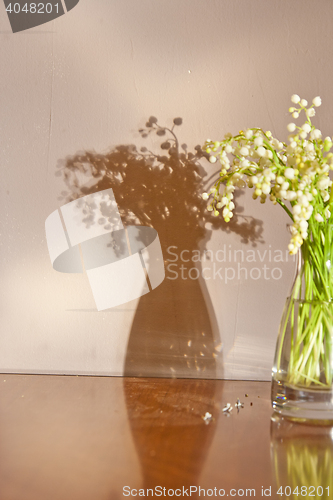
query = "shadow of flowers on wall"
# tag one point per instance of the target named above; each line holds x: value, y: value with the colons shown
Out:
x: 174, y: 331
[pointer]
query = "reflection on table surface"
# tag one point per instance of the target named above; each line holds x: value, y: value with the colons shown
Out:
x: 87, y: 438
x: 302, y: 457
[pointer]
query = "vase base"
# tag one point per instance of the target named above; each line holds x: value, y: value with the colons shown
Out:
x: 302, y: 403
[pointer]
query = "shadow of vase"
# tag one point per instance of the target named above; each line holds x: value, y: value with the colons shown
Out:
x: 171, y: 438
x: 174, y: 331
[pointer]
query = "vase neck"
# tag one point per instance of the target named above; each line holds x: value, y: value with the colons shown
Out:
x: 313, y: 278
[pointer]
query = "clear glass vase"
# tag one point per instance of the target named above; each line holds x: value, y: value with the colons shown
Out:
x: 303, y: 366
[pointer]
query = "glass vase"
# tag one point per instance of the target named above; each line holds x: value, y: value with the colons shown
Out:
x: 303, y: 366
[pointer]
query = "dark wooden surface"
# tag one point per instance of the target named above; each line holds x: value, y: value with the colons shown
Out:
x: 86, y: 438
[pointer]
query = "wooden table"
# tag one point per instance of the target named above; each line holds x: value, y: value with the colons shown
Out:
x: 96, y: 438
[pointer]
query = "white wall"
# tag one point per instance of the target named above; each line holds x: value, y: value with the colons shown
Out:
x: 88, y: 81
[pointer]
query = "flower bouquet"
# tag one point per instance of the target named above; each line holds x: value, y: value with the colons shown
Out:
x: 296, y: 177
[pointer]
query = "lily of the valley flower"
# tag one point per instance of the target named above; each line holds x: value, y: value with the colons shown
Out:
x: 207, y: 417
x: 294, y: 175
x: 238, y: 404
x: 227, y: 408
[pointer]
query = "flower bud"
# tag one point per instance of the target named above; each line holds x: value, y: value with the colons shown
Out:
x: 316, y: 101
x: 289, y: 173
x: 295, y: 98
x: 306, y: 127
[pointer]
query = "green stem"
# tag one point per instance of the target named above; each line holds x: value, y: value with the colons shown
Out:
x: 286, y: 209
x: 309, y: 317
